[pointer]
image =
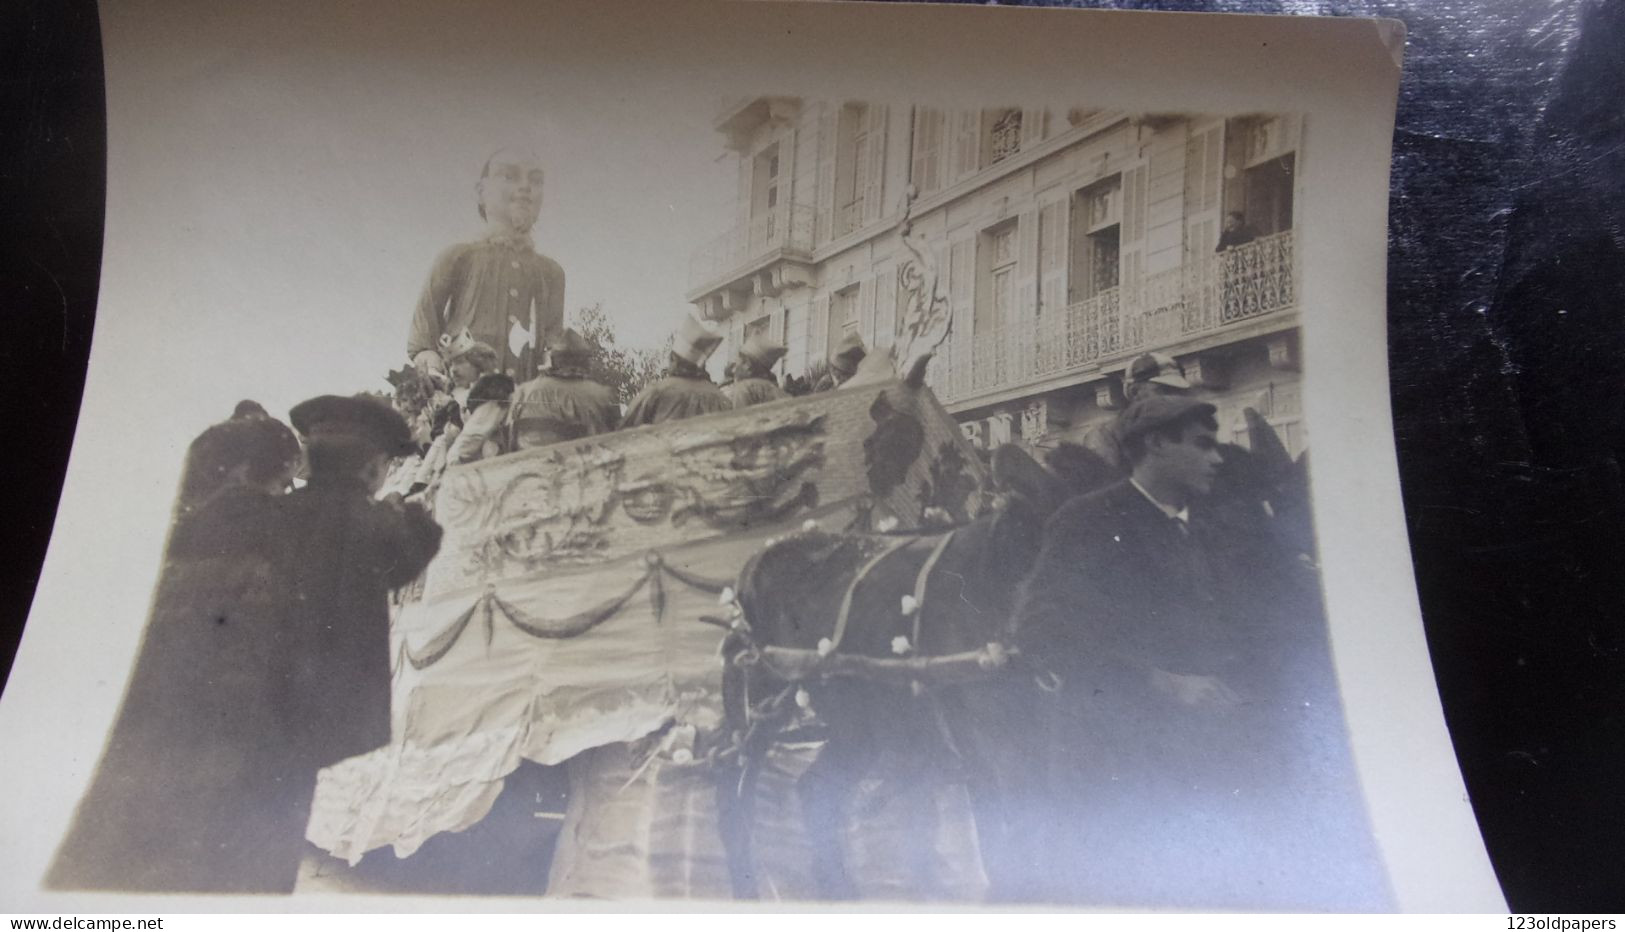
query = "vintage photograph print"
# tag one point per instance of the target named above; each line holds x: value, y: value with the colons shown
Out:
x: 559, y: 474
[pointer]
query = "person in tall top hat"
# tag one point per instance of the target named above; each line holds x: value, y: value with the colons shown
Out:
x: 563, y: 403
x: 843, y: 363
x: 343, y: 552
x: 497, y: 287
x: 686, y: 390
x: 753, y: 372
x: 192, y: 790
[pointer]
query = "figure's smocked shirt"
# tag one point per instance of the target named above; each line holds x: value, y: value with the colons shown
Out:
x: 486, y: 286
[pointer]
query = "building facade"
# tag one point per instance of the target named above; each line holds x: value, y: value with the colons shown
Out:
x: 1067, y: 244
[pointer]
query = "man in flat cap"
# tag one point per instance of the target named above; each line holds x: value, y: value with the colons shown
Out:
x: 344, y: 551
x: 563, y: 402
x: 843, y: 363
x: 753, y: 372
x: 1124, y: 604
x: 1148, y: 374
x: 497, y: 287
x: 686, y: 390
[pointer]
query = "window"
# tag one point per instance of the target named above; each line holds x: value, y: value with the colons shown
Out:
x: 1259, y: 173
x: 1269, y: 195
x: 1003, y: 135
x: 1097, y: 213
x: 759, y: 325
x: 996, y: 293
x: 851, y: 167
x: 843, y: 314
x: 764, y: 196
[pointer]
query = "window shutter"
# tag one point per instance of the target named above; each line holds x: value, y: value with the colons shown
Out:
x: 967, y: 143
x: 1034, y: 127
x: 927, y: 168
x: 827, y: 127
x: 818, y: 331
x: 866, y: 311
x: 1052, y: 256
x: 885, y: 316
x: 875, y: 170
x: 1131, y: 265
x: 962, y: 307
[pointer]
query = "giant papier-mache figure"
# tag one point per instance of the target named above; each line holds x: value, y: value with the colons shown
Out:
x: 498, y: 288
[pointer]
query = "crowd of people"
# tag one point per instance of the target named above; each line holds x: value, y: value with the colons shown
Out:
x: 462, y: 407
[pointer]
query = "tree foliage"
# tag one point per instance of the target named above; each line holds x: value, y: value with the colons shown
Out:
x: 624, y: 370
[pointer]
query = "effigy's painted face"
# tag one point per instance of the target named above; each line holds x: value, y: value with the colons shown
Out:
x: 511, y: 191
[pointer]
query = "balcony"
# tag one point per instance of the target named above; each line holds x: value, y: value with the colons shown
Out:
x: 1162, y: 311
x: 740, y: 251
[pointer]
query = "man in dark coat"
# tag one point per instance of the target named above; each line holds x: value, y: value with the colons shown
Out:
x: 753, y: 372
x: 563, y: 403
x: 343, y: 553
x: 686, y: 390
x: 1236, y: 232
x: 1187, y: 728
x: 195, y: 788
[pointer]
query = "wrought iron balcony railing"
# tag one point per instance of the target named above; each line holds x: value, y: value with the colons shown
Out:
x: 782, y: 228
x: 1158, y: 312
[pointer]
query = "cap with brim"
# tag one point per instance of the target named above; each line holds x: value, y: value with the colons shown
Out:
x: 1158, y: 368
x: 695, y: 340
x: 1158, y: 411
x: 353, y: 418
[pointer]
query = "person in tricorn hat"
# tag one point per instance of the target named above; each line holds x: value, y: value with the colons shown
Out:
x: 190, y: 793
x: 1169, y: 661
x: 753, y: 372
x: 843, y: 363
x: 343, y: 552
x: 563, y: 403
x: 686, y: 390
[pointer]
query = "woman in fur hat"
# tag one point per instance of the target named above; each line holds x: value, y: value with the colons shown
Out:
x: 190, y: 794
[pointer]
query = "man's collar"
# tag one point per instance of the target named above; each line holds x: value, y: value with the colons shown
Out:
x: 1182, y: 515
x: 511, y: 240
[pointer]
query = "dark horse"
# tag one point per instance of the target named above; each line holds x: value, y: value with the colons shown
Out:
x: 887, y: 653
x: 906, y: 723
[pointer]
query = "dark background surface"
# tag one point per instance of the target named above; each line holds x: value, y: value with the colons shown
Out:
x: 1506, y: 297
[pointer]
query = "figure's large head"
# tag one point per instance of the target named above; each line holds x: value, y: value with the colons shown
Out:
x: 351, y: 437
x: 1172, y: 440
x: 510, y: 190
